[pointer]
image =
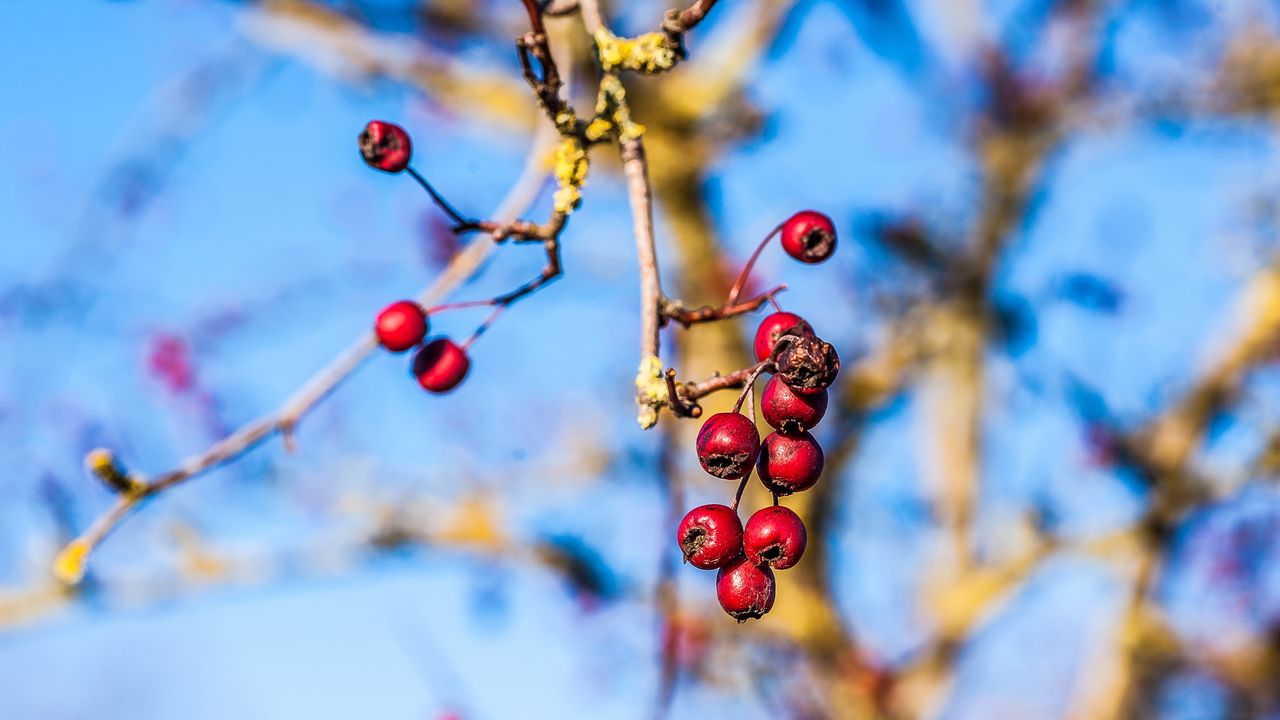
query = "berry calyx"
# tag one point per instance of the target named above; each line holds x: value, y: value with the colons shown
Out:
x: 385, y: 146
x: 728, y: 444
x: 789, y: 411
x: 440, y: 365
x: 809, y: 236
x: 775, y: 536
x: 807, y: 364
x: 789, y: 463
x: 400, y: 325
x: 745, y: 590
x: 775, y: 326
x: 710, y: 536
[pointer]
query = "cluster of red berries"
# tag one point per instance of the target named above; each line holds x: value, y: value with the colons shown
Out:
x: 439, y: 364
x: 789, y: 460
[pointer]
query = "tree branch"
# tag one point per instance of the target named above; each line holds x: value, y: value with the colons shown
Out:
x: 70, y: 564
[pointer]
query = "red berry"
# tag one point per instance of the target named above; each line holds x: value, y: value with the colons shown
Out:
x: 787, y: 410
x: 790, y: 463
x: 440, y: 365
x: 809, y: 236
x: 385, y: 146
x: 775, y: 326
x: 744, y: 590
x: 728, y: 444
x: 710, y: 536
x: 401, y: 325
x: 807, y: 364
x: 775, y: 536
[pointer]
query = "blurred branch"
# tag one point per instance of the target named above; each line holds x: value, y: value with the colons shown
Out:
x: 70, y: 565
x: 339, y: 44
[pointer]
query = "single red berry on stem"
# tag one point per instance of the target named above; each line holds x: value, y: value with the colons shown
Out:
x: 401, y: 325
x: 745, y: 590
x: 385, y: 146
x: 440, y: 365
x: 775, y: 326
x: 710, y: 536
x: 789, y: 411
x: 775, y: 536
x: 789, y: 463
x: 728, y: 444
x: 809, y: 236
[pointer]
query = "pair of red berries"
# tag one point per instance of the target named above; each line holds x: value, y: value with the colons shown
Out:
x: 440, y: 365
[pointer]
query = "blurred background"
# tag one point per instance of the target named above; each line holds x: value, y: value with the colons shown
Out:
x: 1050, y: 480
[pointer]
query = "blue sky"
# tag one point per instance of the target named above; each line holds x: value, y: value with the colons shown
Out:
x: 268, y: 246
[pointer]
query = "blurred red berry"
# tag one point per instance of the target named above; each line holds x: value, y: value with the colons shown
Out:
x: 775, y: 536
x: 440, y: 365
x: 169, y: 360
x: 710, y: 536
x: 401, y: 325
x: 727, y: 445
x: 385, y: 146
x: 809, y: 236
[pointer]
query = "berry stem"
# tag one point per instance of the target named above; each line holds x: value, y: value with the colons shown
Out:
x: 748, y: 386
x: 459, y: 222
x: 462, y: 305
x: 674, y: 310
x: 736, y: 290
x: 493, y: 316
x: 742, y: 487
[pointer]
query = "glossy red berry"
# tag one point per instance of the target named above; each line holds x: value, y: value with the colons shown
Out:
x: 385, y: 146
x: 710, y: 536
x: 790, y: 463
x: 440, y: 365
x: 775, y: 536
x: 809, y: 236
x: 728, y: 444
x: 775, y: 326
x: 807, y: 364
x: 789, y: 411
x: 401, y: 325
x: 745, y: 590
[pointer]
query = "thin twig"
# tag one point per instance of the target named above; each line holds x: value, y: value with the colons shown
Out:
x: 465, y: 264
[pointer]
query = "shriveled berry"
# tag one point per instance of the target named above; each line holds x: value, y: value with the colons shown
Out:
x: 789, y: 411
x: 745, y: 590
x: 809, y: 236
x: 775, y: 326
x: 401, y: 325
x: 790, y: 463
x: 440, y: 365
x: 728, y: 444
x: 775, y: 536
x: 807, y: 364
x: 385, y: 146
x: 710, y: 536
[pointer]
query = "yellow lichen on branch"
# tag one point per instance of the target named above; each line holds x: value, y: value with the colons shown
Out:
x: 69, y: 566
x: 651, y: 391
x: 571, y: 165
x: 647, y: 53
